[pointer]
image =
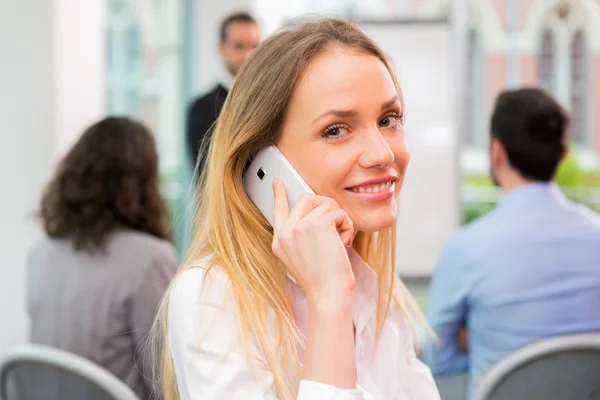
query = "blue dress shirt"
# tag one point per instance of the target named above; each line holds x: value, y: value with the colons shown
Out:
x: 528, y: 270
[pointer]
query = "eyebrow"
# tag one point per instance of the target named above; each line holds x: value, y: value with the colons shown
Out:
x: 390, y: 103
x: 352, y: 113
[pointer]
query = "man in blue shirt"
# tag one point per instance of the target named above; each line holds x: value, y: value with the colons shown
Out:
x: 529, y: 269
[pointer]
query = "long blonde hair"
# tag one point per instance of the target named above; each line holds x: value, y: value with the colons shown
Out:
x: 230, y: 229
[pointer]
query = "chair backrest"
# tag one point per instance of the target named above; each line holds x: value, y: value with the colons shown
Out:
x: 561, y: 368
x: 34, y: 372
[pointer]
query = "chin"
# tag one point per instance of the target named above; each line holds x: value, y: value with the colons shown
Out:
x: 374, y: 221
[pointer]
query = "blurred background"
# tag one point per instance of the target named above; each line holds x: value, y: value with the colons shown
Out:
x: 66, y: 63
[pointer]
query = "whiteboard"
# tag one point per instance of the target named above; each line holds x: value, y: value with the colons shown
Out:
x: 429, y: 201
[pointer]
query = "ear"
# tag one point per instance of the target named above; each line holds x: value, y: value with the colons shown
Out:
x: 565, y: 153
x: 222, y: 50
x: 497, y: 153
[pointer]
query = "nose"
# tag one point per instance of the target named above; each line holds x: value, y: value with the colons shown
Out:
x: 375, y: 151
x: 247, y: 51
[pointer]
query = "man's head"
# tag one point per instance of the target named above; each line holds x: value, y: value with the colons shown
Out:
x: 239, y: 36
x: 529, y: 137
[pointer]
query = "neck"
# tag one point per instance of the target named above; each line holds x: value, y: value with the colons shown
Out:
x: 513, y: 180
x: 515, y: 185
x: 226, y: 79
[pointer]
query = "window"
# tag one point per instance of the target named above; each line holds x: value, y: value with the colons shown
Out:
x: 547, y: 62
x: 144, y: 54
x: 579, y: 88
x: 123, y: 60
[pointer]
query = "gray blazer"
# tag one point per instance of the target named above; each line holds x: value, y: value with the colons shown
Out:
x: 101, y: 305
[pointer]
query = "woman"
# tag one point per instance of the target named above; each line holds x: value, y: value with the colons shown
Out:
x: 236, y: 327
x: 96, y: 280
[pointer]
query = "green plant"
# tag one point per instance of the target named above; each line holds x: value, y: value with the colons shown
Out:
x: 472, y: 210
x: 569, y: 176
x: 569, y: 173
x: 478, y: 180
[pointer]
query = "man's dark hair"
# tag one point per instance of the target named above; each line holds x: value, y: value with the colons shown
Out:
x: 233, y: 18
x: 532, y: 127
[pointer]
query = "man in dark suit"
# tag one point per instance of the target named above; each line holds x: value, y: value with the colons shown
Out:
x: 239, y: 35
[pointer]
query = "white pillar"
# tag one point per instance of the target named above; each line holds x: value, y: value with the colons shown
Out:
x: 80, y: 67
x: 563, y: 67
x: 51, y: 80
x: 513, y: 56
x: 25, y: 149
x: 459, y: 14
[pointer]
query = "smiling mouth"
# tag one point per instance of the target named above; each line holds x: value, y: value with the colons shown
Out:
x: 374, y: 188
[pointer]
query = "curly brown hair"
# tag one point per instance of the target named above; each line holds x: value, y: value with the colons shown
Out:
x: 109, y: 179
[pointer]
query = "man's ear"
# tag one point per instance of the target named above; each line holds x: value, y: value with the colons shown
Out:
x: 497, y: 153
x: 565, y: 153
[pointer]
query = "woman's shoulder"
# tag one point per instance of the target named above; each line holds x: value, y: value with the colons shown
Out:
x: 142, y: 259
x: 132, y: 239
x: 201, y: 306
x: 201, y: 283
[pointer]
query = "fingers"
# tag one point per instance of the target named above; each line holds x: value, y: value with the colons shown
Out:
x: 325, y: 206
x: 343, y: 224
x: 305, y: 205
x: 330, y: 212
x: 319, y: 209
x: 281, y: 208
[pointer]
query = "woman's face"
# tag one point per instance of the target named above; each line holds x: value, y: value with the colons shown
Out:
x: 343, y: 134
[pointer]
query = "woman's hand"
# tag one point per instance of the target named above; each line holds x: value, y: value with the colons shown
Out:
x: 312, y: 241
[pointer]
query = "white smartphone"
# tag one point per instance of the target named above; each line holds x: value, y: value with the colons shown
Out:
x: 269, y: 164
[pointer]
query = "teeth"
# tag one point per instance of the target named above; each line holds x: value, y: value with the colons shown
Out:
x: 373, y: 189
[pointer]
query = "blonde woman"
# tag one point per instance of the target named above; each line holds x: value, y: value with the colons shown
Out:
x: 235, y: 326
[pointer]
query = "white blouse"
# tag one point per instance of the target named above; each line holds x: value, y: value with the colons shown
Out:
x: 210, y: 360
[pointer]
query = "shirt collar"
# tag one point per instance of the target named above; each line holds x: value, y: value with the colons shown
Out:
x: 364, y: 296
x: 531, y: 193
x: 366, y: 280
x: 226, y: 79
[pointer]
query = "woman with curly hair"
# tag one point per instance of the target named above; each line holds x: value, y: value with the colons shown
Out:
x: 95, y: 281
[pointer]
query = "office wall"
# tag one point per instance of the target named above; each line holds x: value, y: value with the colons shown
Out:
x: 25, y: 146
x: 51, y: 86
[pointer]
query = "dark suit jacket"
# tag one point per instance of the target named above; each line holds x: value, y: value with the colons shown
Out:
x: 201, y: 115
